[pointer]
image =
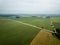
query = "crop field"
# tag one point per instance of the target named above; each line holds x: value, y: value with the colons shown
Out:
x: 39, y: 22
x: 13, y: 32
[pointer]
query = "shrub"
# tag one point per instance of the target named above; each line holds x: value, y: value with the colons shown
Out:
x: 57, y: 34
x: 58, y: 30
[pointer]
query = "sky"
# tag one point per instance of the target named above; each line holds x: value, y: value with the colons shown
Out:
x: 30, y: 6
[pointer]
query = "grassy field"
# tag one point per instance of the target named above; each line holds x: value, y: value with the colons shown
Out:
x: 39, y: 22
x: 15, y: 33
x: 56, y: 22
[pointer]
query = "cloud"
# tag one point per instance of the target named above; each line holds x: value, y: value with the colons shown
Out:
x: 30, y: 6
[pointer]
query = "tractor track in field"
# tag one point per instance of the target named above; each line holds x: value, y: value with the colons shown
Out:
x: 28, y: 24
x: 42, y: 37
x: 24, y: 23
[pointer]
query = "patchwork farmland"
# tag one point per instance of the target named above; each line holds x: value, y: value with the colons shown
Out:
x: 21, y: 31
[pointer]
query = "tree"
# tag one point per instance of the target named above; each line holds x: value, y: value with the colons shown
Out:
x: 17, y: 17
x: 48, y: 17
x: 57, y: 34
x: 58, y: 30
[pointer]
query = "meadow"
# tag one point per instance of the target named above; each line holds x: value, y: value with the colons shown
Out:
x: 37, y: 21
x: 15, y: 33
x: 56, y: 21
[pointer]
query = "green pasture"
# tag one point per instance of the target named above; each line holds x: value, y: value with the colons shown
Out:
x: 56, y: 22
x: 14, y: 33
x: 39, y: 22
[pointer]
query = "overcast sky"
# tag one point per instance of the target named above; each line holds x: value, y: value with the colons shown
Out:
x: 30, y: 6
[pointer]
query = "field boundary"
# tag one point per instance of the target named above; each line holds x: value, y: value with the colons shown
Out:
x: 44, y: 38
x: 24, y: 23
x: 28, y: 24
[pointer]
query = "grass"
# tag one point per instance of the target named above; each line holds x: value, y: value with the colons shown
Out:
x: 13, y: 33
x: 56, y: 22
x: 39, y: 22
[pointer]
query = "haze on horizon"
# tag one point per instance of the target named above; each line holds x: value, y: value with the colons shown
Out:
x: 29, y: 6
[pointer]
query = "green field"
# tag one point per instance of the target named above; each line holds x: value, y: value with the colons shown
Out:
x: 15, y: 33
x: 39, y: 22
x: 56, y: 22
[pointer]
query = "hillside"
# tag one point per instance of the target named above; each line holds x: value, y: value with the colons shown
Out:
x: 45, y: 38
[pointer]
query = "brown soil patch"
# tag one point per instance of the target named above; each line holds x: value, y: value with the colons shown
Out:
x: 45, y: 38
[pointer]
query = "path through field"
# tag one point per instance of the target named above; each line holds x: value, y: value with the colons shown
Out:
x: 27, y: 24
x: 45, y: 38
x: 24, y: 23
